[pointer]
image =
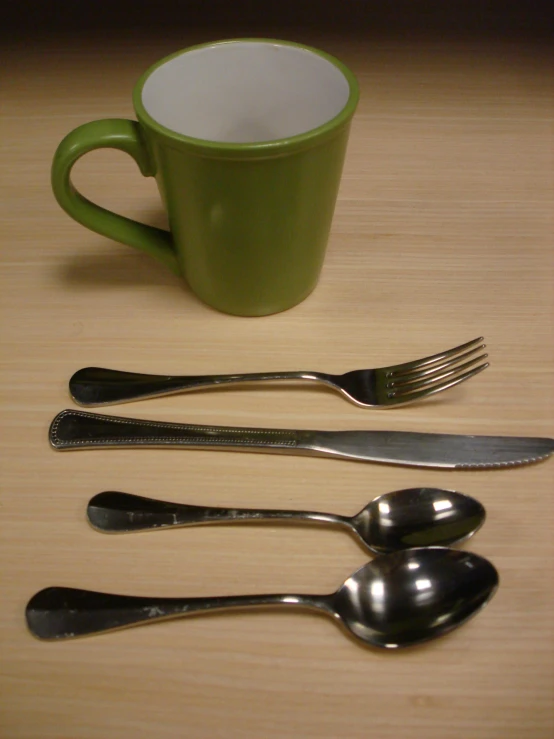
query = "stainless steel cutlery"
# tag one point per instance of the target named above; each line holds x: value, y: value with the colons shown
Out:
x: 397, y: 600
x: 73, y: 429
x: 416, y: 589
x: 381, y: 387
x: 414, y: 517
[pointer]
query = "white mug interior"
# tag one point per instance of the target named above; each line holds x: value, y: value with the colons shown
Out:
x: 245, y: 92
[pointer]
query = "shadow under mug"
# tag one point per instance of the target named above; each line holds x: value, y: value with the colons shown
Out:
x: 246, y: 139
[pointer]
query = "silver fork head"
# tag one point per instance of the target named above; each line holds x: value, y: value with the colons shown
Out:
x: 405, y: 383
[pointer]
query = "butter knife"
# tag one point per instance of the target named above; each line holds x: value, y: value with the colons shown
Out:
x: 72, y: 429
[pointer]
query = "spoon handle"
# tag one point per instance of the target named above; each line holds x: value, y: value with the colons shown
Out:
x: 94, y: 386
x: 64, y: 613
x: 112, y: 512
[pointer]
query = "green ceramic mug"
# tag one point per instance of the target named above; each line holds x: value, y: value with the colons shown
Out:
x: 246, y: 139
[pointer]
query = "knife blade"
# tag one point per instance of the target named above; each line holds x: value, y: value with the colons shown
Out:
x: 73, y: 429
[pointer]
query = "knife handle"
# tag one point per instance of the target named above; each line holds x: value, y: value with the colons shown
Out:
x: 80, y: 429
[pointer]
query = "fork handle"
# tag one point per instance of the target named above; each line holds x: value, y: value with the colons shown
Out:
x: 94, y: 386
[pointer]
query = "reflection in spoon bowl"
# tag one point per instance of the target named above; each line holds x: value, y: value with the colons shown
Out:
x: 414, y: 595
x: 418, y: 517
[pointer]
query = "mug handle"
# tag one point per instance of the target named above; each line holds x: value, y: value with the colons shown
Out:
x: 111, y: 133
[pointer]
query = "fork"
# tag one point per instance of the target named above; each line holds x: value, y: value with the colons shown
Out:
x: 370, y: 388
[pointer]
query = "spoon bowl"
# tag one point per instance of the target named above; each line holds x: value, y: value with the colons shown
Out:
x: 396, y: 600
x: 418, y: 517
x: 414, y: 595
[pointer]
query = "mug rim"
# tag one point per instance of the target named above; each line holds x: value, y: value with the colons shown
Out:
x: 273, y: 147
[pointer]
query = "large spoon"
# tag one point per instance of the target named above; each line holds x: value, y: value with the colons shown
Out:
x: 396, y: 600
x: 414, y: 517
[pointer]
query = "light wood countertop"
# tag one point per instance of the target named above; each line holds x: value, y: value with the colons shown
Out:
x: 442, y: 232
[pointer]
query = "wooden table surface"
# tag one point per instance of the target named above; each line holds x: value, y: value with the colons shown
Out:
x: 442, y: 232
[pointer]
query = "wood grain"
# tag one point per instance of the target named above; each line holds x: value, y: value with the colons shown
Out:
x: 442, y: 232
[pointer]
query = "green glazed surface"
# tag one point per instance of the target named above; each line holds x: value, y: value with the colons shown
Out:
x: 249, y: 222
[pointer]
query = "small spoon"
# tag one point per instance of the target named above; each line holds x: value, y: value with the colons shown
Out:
x: 397, y: 600
x: 414, y: 517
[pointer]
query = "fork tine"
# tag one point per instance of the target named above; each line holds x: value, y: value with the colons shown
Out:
x: 426, y: 377
x: 408, y: 397
x: 433, y: 359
